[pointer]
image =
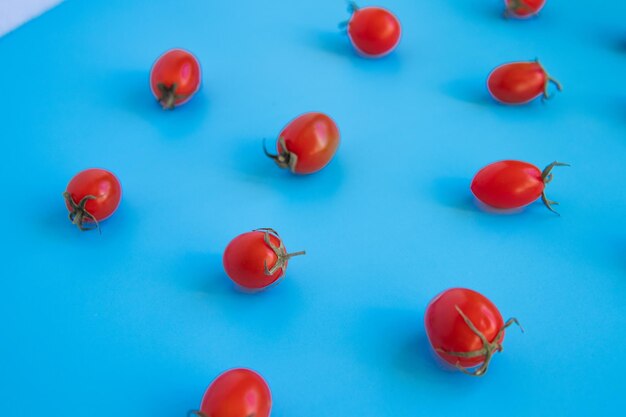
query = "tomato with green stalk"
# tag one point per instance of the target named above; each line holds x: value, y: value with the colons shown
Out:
x: 513, y: 184
x: 465, y: 329
x: 373, y: 31
x: 520, y: 82
x: 307, y: 144
x: 175, y: 78
x: 257, y: 260
x: 92, y: 196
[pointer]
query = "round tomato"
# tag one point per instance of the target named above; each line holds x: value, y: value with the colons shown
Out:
x: 523, y: 9
x: 257, y: 259
x: 236, y: 393
x: 175, y: 77
x: 513, y: 184
x: 465, y: 329
x: 520, y: 82
x: 307, y: 143
x: 92, y: 196
x: 373, y: 31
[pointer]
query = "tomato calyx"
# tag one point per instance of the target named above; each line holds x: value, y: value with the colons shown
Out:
x: 546, y: 177
x: 168, y: 96
x: 280, y: 251
x: 546, y: 85
x: 488, y: 349
x: 284, y: 159
x: 352, y: 9
x: 79, y: 213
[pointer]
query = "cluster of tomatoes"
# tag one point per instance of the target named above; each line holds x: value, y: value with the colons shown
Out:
x: 465, y: 328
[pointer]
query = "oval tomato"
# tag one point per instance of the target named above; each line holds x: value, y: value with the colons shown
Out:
x: 257, y: 259
x: 175, y: 77
x: 523, y: 9
x: 236, y: 393
x: 513, y: 184
x: 307, y: 144
x: 91, y: 196
x: 465, y: 329
x: 520, y: 82
x: 373, y: 31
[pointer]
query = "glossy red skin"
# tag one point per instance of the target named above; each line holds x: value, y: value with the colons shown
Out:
x: 99, y: 183
x: 314, y: 138
x: 508, y: 184
x: 180, y: 67
x: 447, y: 330
x: 237, y: 393
x: 523, y: 9
x: 244, y: 260
x: 374, y: 31
x: 517, y: 82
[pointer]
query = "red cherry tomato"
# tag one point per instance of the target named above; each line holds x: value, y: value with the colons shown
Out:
x: 523, y: 9
x: 513, y: 184
x: 92, y: 196
x: 236, y: 393
x: 257, y: 259
x: 175, y: 77
x: 520, y: 82
x: 307, y: 143
x: 373, y: 31
x: 465, y: 329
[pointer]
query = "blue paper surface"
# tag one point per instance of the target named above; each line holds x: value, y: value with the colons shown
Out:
x: 139, y: 320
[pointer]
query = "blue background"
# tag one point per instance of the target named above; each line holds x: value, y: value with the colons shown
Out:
x: 139, y: 320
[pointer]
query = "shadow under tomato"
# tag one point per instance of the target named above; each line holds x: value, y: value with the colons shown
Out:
x: 613, y: 39
x: 184, y: 120
x: 454, y: 192
x: 620, y: 252
x: 55, y: 222
x: 612, y: 109
x: 338, y: 43
x: 620, y: 105
x: 415, y: 353
x: 480, y: 9
x: 180, y: 394
x: 203, y: 275
x: 492, y: 210
x: 255, y: 167
x: 474, y: 90
x: 133, y: 94
x: 470, y: 90
x: 335, y: 42
x: 535, y: 209
x: 394, y: 340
